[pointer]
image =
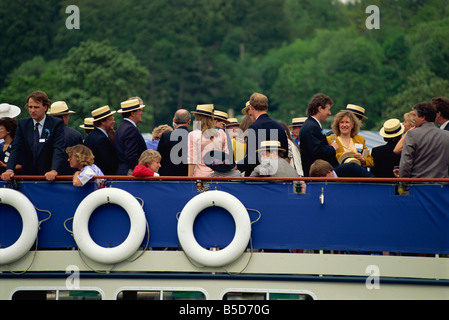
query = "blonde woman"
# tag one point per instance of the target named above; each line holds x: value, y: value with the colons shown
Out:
x: 82, y: 158
x: 346, y: 128
x: 156, y: 135
x: 203, y: 139
x: 149, y: 164
x: 409, y: 124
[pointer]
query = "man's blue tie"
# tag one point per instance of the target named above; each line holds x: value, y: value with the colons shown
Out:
x: 35, y: 140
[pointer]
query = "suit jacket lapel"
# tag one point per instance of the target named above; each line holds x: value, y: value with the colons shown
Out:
x: 44, y: 135
x: 29, y: 133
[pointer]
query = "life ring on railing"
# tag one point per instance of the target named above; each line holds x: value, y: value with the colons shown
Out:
x: 81, y: 225
x: 30, y: 225
x: 241, y: 238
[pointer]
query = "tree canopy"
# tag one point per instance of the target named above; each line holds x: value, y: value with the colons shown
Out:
x: 180, y: 53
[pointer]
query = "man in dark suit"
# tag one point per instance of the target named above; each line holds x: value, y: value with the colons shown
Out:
x: 262, y: 129
x: 99, y: 141
x: 39, y: 139
x: 312, y: 142
x: 384, y: 158
x: 426, y: 148
x: 173, y: 146
x: 59, y: 109
x: 128, y: 141
x: 322, y: 168
x: 442, y: 106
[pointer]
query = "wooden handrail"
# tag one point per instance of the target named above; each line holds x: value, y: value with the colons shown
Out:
x: 183, y: 178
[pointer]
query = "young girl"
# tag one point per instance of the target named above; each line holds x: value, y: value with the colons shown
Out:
x: 148, y: 165
x: 82, y: 158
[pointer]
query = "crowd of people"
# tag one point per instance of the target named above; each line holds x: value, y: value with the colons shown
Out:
x: 258, y: 146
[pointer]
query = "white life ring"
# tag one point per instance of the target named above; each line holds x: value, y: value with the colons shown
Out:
x: 241, y: 238
x: 81, y: 225
x: 30, y: 225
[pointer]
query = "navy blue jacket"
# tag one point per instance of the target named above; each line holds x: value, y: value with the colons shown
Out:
x: 129, y: 145
x: 352, y: 170
x: 103, y: 150
x: 176, y: 164
x: 263, y: 129
x: 314, y: 145
x: 72, y: 137
x: 385, y: 160
x: 51, y: 149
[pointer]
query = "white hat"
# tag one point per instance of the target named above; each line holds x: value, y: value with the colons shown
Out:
x: 9, y: 111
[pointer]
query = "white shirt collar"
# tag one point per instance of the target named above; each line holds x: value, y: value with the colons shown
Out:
x: 104, y: 131
x: 42, y: 122
x: 131, y: 121
x: 443, y: 126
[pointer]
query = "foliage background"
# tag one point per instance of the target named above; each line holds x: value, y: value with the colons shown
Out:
x: 180, y: 53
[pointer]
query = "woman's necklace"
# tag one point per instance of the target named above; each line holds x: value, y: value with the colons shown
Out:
x: 347, y: 143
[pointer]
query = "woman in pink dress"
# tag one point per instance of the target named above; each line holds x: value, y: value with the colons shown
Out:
x: 203, y: 139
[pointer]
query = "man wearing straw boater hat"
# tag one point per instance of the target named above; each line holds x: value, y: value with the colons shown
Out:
x: 59, y: 109
x: 88, y: 125
x: 39, y: 139
x: 98, y: 140
x: 295, y: 128
x: 272, y: 162
x: 128, y: 141
x: 384, y: 158
x: 221, y: 119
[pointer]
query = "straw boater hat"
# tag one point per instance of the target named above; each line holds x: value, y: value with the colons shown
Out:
x: 130, y: 105
x: 101, y: 113
x: 270, y: 145
x: 297, y: 122
x: 218, y: 161
x: 205, y: 110
x: 232, y: 122
x: 348, y: 157
x: 392, y: 128
x: 88, y: 123
x: 358, y: 111
x: 59, y: 108
x: 8, y: 110
x: 245, y: 110
x: 220, y: 115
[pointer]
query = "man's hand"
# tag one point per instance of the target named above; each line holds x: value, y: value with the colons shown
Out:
x: 7, y: 175
x: 51, y: 175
